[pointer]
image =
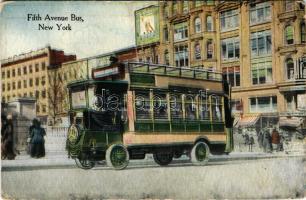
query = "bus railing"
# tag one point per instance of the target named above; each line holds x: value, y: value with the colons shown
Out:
x: 185, y: 72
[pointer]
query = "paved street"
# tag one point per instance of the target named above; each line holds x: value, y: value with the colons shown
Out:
x: 235, y: 176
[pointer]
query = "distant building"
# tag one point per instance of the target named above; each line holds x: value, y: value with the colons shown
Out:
x: 258, y: 45
x: 26, y: 75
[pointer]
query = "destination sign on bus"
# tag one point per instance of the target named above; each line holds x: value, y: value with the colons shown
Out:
x: 105, y: 72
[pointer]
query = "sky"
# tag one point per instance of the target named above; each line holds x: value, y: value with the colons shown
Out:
x: 107, y: 26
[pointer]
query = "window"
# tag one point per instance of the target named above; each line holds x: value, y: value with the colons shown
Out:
x: 303, y: 69
x: 210, y: 2
x: 166, y: 35
x: 176, y: 107
x: 290, y: 69
x: 142, y: 105
x: 197, y: 25
x: 19, y: 84
x: 236, y: 105
x: 43, y: 80
x: 198, y: 3
x: 8, y: 73
x: 19, y: 71
x: 37, y: 81
x: 37, y: 108
x: 25, y: 83
x: 166, y: 10
x: 160, y: 106
x: 174, y: 7
x: 289, y: 35
x: 31, y: 82
x: 232, y: 75
x: 25, y: 95
x: 209, y: 23
x: 8, y: 87
x: 36, y: 67
x: 261, y: 43
x: 216, y: 108
x: 167, y: 59
x: 3, y: 87
x: 229, y: 20
x: 180, y: 31
x: 43, y: 94
x: 3, y: 75
x: 289, y: 5
x: 24, y: 70
x: 185, y: 7
x: 190, y: 107
x: 210, y: 49
x: 30, y: 69
x: 13, y: 73
x: 43, y: 66
x: 260, y: 12
x: 14, y: 85
x: 197, y: 51
x: 262, y: 72
x: 37, y: 94
x: 230, y: 49
x: 44, y: 108
x: 303, y: 32
x: 181, y: 56
x: 31, y: 94
x: 263, y: 104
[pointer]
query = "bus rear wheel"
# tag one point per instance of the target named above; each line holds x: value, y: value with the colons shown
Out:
x: 163, y: 158
x: 117, y: 156
x: 200, y: 153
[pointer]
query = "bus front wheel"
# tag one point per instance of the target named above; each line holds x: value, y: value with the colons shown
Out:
x: 200, y: 153
x: 117, y: 156
x: 163, y: 158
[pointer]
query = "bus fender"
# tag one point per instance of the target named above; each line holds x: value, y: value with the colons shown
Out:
x: 202, y: 139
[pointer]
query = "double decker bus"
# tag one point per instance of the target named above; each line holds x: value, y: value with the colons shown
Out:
x: 132, y: 109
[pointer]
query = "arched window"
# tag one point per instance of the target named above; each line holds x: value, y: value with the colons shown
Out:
x: 290, y: 68
x: 289, y: 5
x: 210, y: 49
x: 166, y: 57
x: 303, y: 32
x: 209, y: 23
x: 289, y: 34
x: 197, y: 51
x: 197, y: 25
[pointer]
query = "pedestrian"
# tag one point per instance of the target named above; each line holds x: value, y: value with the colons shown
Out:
x: 37, y: 140
x: 275, y: 140
x: 267, y: 142
x: 7, y: 139
x: 260, y: 139
x: 29, y: 138
x: 251, y: 142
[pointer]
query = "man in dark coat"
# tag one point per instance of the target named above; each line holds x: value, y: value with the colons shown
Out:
x: 7, y: 140
x: 37, y: 140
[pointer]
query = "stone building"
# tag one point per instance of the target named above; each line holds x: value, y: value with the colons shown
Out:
x: 258, y: 45
x: 26, y: 75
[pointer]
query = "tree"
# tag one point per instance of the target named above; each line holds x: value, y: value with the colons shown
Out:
x: 55, y: 93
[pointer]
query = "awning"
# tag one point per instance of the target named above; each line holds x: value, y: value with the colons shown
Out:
x: 293, y: 122
x: 249, y: 120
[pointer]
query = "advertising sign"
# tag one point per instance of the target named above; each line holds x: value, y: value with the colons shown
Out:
x: 147, y: 25
x: 78, y: 99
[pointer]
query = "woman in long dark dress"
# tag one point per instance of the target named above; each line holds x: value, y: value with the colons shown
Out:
x: 37, y: 140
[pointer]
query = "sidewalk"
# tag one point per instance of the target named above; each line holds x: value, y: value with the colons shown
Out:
x: 61, y: 160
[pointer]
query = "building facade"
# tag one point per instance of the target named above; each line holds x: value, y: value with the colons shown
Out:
x: 26, y: 75
x: 258, y: 45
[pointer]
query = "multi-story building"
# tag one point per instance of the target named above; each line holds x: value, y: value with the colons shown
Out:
x: 258, y: 45
x: 26, y: 75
